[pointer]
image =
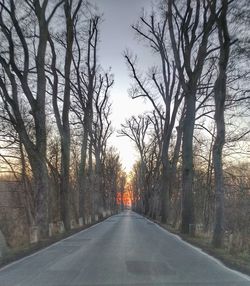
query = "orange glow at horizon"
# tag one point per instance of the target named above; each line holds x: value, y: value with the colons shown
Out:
x: 125, y: 196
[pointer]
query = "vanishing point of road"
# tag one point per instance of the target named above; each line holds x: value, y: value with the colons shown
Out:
x: 125, y: 249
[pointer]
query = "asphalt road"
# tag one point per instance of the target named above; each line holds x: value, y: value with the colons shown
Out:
x: 125, y: 249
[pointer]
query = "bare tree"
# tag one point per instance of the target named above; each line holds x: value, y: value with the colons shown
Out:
x: 136, y: 130
x: 71, y: 9
x: 21, y: 66
x: 190, y: 26
x: 85, y: 86
x: 220, y: 97
x: 166, y: 86
x: 101, y: 132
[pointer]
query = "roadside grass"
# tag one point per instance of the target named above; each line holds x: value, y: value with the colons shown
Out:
x: 233, y: 259
x: 24, y: 250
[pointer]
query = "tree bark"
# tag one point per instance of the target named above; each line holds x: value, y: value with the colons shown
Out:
x: 40, y: 174
x: 82, y: 174
x: 187, y: 210
x: 220, y: 96
x: 165, y: 176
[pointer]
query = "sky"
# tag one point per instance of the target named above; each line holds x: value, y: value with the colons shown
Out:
x: 117, y: 35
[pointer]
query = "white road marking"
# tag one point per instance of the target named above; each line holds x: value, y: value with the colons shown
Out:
x: 177, y: 237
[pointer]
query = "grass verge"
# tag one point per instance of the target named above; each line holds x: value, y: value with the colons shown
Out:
x: 236, y: 261
x: 20, y: 252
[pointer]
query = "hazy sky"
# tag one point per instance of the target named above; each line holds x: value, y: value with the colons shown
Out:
x: 116, y: 36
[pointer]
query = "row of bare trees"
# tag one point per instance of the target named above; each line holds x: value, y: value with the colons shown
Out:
x: 55, y: 108
x: 193, y: 88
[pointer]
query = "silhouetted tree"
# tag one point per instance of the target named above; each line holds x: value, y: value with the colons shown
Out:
x: 23, y: 78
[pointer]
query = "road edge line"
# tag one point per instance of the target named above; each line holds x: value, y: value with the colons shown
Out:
x: 176, y: 236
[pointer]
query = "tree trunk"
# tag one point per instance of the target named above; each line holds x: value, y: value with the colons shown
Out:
x: 219, y: 93
x: 165, y: 191
x: 175, y: 158
x: 41, y: 197
x: 220, y: 96
x: 65, y: 128
x: 82, y: 175
x: 219, y: 181
x: 165, y: 177
x: 187, y: 211
x: 28, y: 191
x: 208, y: 190
x: 64, y: 188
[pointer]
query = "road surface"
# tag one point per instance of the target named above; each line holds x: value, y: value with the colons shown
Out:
x: 125, y: 249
